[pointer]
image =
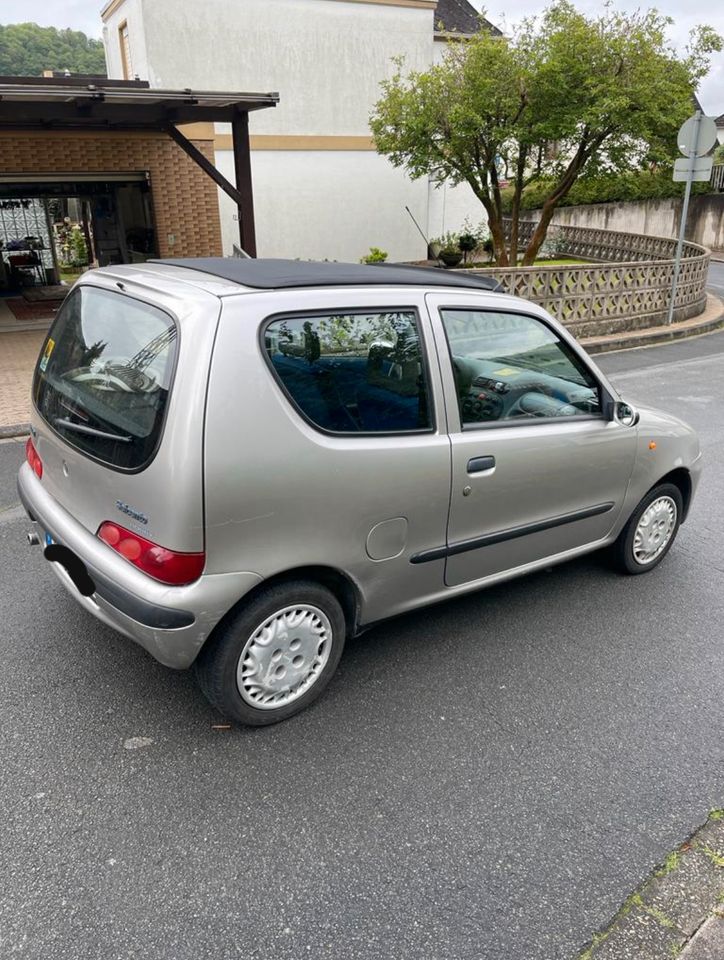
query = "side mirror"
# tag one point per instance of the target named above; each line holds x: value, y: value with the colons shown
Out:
x: 626, y: 415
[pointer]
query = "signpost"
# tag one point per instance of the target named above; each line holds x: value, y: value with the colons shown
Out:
x: 697, y: 169
x: 697, y: 136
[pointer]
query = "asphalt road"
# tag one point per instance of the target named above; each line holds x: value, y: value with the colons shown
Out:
x: 716, y: 277
x: 485, y: 780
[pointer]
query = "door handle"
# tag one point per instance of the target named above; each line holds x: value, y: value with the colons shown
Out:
x: 480, y: 464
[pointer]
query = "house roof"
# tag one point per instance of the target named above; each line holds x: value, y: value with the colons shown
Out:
x: 720, y: 121
x: 459, y: 16
x: 104, y: 104
x: 285, y: 274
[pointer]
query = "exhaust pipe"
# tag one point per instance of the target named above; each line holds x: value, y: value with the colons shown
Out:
x: 33, y: 539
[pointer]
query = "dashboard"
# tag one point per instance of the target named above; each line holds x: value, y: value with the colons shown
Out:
x: 493, y: 389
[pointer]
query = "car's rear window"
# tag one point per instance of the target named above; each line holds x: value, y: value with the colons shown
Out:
x: 103, y: 378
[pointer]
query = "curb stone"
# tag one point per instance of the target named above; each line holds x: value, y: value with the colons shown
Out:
x: 14, y: 430
x: 708, y: 944
x: 711, y: 320
x: 678, y: 911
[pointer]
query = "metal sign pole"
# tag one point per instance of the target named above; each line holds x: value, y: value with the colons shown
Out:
x: 684, y: 214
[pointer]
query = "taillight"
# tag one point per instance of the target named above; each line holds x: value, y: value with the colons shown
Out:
x: 158, y: 562
x: 31, y: 454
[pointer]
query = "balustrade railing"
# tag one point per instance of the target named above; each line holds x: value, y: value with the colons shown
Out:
x: 627, y: 286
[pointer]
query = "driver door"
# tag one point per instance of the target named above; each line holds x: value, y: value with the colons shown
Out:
x: 538, y: 469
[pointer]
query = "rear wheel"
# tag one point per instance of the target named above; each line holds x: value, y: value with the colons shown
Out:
x: 275, y: 656
x: 651, y: 530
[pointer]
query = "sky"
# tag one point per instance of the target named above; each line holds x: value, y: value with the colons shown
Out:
x: 85, y: 15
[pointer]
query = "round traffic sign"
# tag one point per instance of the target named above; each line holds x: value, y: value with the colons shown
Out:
x: 687, y: 139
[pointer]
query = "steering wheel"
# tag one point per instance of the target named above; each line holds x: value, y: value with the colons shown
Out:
x: 103, y: 380
x: 533, y: 404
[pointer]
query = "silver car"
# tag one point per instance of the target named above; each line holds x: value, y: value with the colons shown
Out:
x: 239, y: 463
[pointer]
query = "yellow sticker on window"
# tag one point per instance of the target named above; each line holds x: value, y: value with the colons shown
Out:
x: 49, y: 347
x: 505, y: 372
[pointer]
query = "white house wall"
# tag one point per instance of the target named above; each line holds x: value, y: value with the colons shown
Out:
x: 131, y: 12
x: 328, y: 205
x: 326, y: 58
x: 450, y: 207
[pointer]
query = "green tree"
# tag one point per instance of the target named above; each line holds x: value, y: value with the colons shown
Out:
x: 565, y: 95
x: 27, y: 49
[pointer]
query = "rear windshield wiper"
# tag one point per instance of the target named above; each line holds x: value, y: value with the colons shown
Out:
x: 91, y: 431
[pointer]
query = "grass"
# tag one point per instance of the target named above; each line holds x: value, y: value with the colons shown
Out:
x: 70, y: 274
x: 669, y: 865
x: 557, y: 261
x: 712, y: 855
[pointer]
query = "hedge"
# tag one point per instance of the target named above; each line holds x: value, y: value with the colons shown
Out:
x: 639, y: 185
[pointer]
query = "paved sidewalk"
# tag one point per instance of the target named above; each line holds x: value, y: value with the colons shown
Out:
x: 18, y: 353
x: 678, y: 911
x: 708, y: 944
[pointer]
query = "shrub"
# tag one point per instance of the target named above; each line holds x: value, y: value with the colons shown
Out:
x: 78, y: 248
x: 447, y: 243
x: 467, y: 242
x: 612, y: 188
x: 375, y: 256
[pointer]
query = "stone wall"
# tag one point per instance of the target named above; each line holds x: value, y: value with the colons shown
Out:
x: 705, y: 222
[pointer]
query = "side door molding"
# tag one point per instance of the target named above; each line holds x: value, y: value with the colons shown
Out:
x: 512, y: 533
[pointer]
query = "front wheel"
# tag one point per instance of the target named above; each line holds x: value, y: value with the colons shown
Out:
x: 274, y: 656
x: 651, y: 530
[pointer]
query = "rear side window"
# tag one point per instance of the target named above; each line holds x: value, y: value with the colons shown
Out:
x: 103, y: 378
x: 353, y: 372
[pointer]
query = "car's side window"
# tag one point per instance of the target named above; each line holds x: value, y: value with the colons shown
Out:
x: 353, y: 372
x: 510, y: 367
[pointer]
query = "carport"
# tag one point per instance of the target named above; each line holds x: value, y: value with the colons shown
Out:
x: 52, y: 106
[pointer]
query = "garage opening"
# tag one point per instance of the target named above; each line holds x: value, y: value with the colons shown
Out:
x: 53, y: 230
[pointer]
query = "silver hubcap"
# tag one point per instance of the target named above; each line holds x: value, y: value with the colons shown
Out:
x: 284, y: 657
x: 654, y: 530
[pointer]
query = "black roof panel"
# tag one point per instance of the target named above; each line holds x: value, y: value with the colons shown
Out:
x: 281, y: 274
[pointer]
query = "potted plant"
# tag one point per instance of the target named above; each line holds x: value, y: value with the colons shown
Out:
x: 467, y: 242
x: 449, y: 252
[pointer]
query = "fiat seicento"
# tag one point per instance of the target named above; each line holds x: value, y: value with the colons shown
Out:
x: 240, y: 463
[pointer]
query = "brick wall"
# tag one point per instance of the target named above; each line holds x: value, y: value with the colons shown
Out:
x: 185, y: 199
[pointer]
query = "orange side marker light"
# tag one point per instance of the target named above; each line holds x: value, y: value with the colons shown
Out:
x: 652, y: 444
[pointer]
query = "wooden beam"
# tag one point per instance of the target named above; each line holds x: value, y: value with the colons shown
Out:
x: 101, y: 115
x: 206, y: 165
x: 242, y: 171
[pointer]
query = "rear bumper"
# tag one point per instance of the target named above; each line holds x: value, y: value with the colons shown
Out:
x: 171, y: 623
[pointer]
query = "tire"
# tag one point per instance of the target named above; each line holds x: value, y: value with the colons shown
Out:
x: 292, y: 635
x: 628, y: 555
